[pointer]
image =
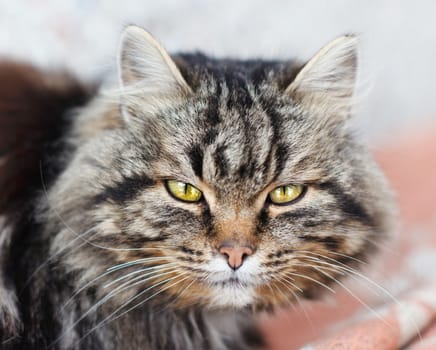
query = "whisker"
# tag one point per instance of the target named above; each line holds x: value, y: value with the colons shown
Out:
x: 373, y: 311
x: 135, y: 262
x: 291, y: 281
x: 313, y: 280
x: 179, y: 294
x: 285, y: 297
x: 108, y: 272
x: 341, y: 263
x: 382, y: 246
x: 117, y: 290
x: 272, y: 290
x: 360, y: 261
x: 109, y: 318
x: 338, y: 264
x: 150, y: 269
x: 355, y: 274
x: 302, y: 307
x: 282, y: 277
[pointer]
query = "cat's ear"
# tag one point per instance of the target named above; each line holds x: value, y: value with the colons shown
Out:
x: 326, y: 82
x: 144, y: 62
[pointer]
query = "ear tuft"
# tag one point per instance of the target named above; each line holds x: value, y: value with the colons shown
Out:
x: 327, y: 81
x: 144, y: 62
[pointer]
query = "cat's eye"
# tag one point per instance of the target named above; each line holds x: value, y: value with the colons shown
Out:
x: 286, y: 194
x: 183, y: 191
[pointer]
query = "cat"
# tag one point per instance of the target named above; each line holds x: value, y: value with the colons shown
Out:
x: 166, y: 212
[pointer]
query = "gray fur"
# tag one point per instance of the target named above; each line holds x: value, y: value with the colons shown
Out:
x: 235, y: 130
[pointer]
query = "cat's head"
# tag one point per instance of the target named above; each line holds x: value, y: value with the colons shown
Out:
x: 220, y: 183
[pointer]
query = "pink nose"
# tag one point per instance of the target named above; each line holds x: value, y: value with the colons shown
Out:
x: 235, y: 255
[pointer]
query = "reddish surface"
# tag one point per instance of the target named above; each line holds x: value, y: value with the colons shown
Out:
x: 409, y: 162
x: 365, y: 336
x: 410, y: 166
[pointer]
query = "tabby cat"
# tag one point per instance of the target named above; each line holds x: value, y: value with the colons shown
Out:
x: 165, y: 212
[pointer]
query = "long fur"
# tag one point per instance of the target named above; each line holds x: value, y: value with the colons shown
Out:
x: 34, y: 108
x: 97, y: 253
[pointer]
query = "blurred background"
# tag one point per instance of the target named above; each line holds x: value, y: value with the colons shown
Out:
x: 398, y: 55
x: 396, y: 113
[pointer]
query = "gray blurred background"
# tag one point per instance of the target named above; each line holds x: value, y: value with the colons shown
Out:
x: 398, y: 50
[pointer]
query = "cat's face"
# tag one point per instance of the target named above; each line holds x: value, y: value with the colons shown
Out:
x: 234, y: 193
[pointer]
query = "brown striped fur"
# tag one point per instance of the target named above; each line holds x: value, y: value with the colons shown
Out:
x: 100, y: 254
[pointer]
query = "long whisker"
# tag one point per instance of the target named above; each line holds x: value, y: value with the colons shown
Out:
x: 284, y: 296
x: 179, y: 294
x: 319, y: 257
x: 272, y: 290
x: 381, y: 246
x: 155, y: 294
x: 291, y: 281
x: 111, y: 319
x: 297, y: 298
x: 128, y: 284
x: 108, y: 272
x: 135, y: 262
x: 311, y: 279
x: 117, y: 290
x: 373, y: 311
x: 360, y: 261
x: 150, y: 269
x: 280, y: 280
x: 342, y: 266
x: 339, y: 266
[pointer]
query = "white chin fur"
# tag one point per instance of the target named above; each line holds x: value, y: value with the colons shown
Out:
x: 233, y: 288
x: 231, y: 296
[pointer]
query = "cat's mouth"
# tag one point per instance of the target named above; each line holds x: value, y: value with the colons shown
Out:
x: 234, y: 292
x: 234, y: 282
x: 220, y: 275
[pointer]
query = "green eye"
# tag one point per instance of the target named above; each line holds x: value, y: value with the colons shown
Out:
x: 183, y: 191
x: 286, y: 194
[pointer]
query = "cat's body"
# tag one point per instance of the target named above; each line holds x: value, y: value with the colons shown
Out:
x: 98, y: 251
